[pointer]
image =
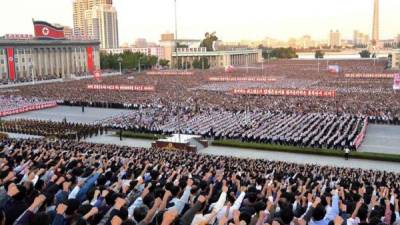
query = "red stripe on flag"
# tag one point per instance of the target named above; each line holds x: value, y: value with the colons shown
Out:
x: 10, y: 63
x: 90, y: 64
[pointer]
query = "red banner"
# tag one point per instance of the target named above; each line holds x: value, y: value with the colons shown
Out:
x: 90, y: 58
x: 11, y: 63
x: 28, y: 108
x: 396, y: 82
x: 286, y: 92
x: 170, y: 73
x: 370, y: 75
x: 47, y: 31
x: 360, y: 137
x: 242, y: 79
x: 121, y: 87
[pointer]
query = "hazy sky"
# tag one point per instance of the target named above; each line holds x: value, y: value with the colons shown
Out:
x: 232, y: 19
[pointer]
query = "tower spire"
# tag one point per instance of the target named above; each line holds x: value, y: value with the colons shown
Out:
x: 375, y: 25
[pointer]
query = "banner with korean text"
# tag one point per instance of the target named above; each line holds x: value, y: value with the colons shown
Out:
x: 28, y: 108
x: 396, y: 82
x: 121, y: 87
x: 242, y: 79
x: 286, y: 92
x: 370, y: 75
x: 170, y: 73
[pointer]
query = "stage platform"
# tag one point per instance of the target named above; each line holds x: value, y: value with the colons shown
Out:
x: 181, y: 142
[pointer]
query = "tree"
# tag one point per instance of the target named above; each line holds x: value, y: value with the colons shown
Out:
x: 164, y: 62
x: 201, y: 63
x: 365, y: 54
x: 130, y: 60
x: 282, y: 53
x: 208, y: 41
x: 319, y: 54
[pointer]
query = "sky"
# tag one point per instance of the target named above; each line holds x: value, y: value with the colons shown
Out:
x: 233, y: 20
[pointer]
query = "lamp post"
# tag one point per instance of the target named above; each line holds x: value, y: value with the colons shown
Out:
x: 120, y: 65
x: 176, y: 36
x: 139, y: 66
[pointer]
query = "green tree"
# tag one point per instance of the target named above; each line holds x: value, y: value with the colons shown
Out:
x: 164, y: 62
x: 319, y: 54
x: 201, y: 63
x: 130, y: 60
x: 208, y: 41
x: 283, y: 53
x: 365, y: 54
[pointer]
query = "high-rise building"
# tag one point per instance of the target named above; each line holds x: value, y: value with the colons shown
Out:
x: 96, y: 19
x: 375, y: 25
x: 360, y: 39
x: 103, y: 24
x: 141, y: 43
x: 79, y: 9
x: 335, y: 39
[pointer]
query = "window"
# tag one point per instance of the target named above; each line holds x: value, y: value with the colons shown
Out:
x: 23, y: 60
x: 2, y: 61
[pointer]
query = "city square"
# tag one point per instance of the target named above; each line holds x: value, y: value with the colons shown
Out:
x: 242, y: 115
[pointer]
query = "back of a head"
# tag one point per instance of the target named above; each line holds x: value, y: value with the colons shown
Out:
x: 140, y: 213
x: 319, y: 213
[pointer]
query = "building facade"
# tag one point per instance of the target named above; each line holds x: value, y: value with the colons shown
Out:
x: 335, y: 39
x: 218, y: 59
x: 396, y: 59
x: 103, y: 25
x: 360, y: 39
x: 96, y: 19
x: 150, y: 51
x: 24, y: 60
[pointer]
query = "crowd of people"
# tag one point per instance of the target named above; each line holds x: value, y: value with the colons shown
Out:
x: 367, y: 96
x: 64, y: 130
x: 69, y: 182
x: 12, y: 102
x: 307, y: 130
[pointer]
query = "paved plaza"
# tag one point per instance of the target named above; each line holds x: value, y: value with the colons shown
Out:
x: 379, y: 138
x: 260, y: 154
x: 382, y: 139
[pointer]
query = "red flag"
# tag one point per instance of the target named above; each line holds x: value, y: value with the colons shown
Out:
x: 11, y: 63
x: 45, y: 30
x: 90, y: 58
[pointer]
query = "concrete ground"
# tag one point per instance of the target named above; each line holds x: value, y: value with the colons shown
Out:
x: 260, y: 154
x: 382, y: 139
x: 379, y: 138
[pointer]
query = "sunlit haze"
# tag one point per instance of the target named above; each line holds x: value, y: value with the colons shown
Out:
x: 231, y: 19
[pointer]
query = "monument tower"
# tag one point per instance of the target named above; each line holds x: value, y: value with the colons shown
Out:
x: 375, y: 24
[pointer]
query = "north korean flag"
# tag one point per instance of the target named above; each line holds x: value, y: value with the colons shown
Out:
x: 44, y: 30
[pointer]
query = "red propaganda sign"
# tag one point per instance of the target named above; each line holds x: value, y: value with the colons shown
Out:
x: 242, y: 79
x: 46, y: 30
x: 11, y: 63
x: 396, y: 82
x: 170, y: 73
x: 27, y: 108
x: 90, y: 59
x: 144, y: 88
x: 97, y: 74
x: 286, y: 92
x: 370, y: 75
